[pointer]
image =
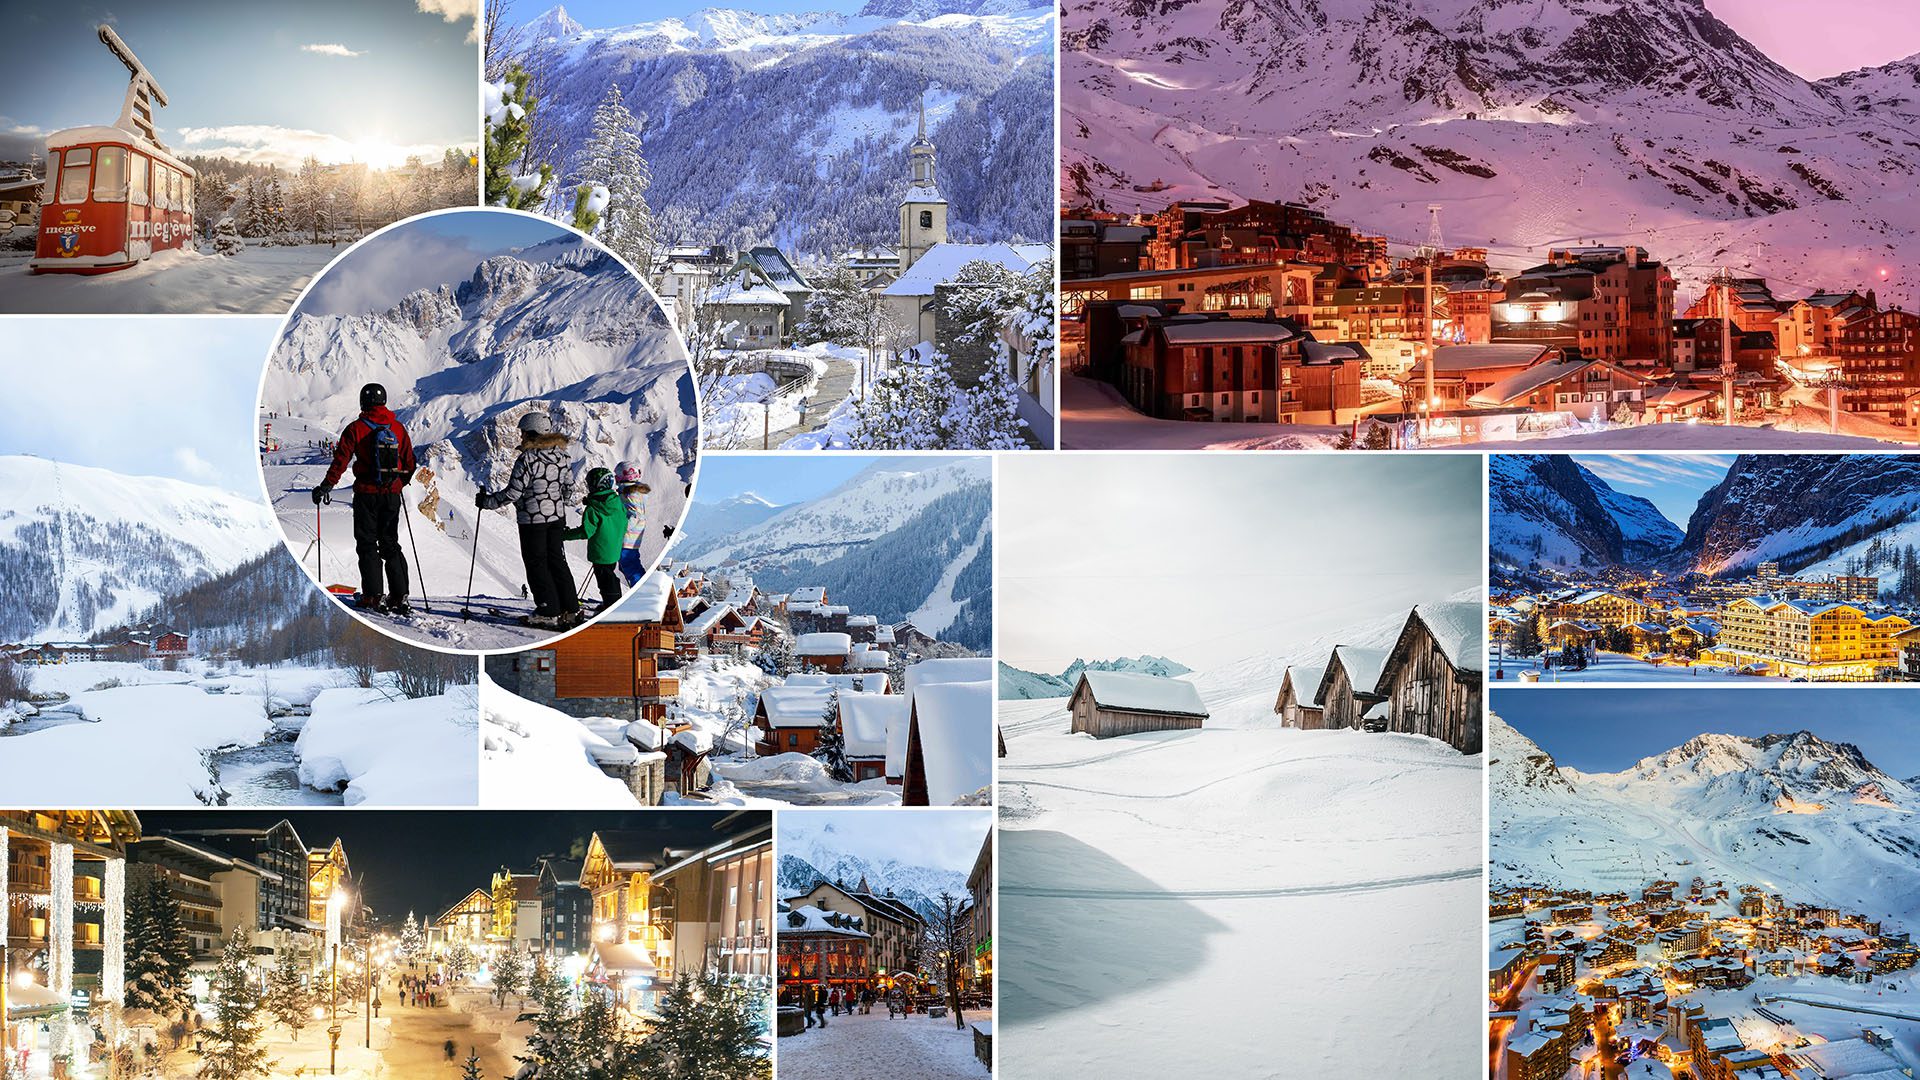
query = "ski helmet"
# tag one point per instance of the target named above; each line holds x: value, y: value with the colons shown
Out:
x: 627, y: 473
x: 372, y: 395
x: 599, y: 480
x: 536, y: 423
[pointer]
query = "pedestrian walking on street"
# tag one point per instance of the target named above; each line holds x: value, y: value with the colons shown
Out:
x: 448, y: 1047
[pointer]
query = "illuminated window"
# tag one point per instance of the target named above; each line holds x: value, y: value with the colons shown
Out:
x: 110, y: 175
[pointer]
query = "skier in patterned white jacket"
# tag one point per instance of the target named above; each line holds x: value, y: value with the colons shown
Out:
x: 540, y: 488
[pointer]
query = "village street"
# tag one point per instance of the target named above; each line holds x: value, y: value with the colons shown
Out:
x: 873, y: 1047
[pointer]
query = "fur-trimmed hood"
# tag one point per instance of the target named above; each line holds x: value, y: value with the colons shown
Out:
x: 552, y: 441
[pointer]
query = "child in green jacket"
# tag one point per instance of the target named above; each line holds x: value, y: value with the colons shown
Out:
x: 603, y: 526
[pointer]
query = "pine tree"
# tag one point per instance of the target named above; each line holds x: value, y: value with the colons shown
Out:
x: 513, y: 180
x: 288, y: 998
x: 226, y: 237
x: 830, y: 748
x: 158, y: 951
x: 709, y: 1029
x: 230, y: 1045
x: 470, y: 1069
x: 552, y: 1050
x: 509, y: 974
x: 460, y: 961
x: 613, y: 160
x: 412, y: 944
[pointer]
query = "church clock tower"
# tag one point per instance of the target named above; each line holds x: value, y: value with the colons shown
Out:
x: 923, y: 213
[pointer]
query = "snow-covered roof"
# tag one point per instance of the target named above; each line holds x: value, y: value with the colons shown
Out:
x: 871, y: 682
x: 883, y: 635
x: 705, y: 620
x: 863, y: 620
x: 1333, y: 352
x: 955, y: 726
x: 794, y: 706
x: 946, y: 670
x: 825, y: 643
x: 1362, y: 665
x: 1135, y: 692
x: 1517, y: 386
x: 746, y: 286
x: 872, y: 659
x: 1456, y: 358
x: 1227, y: 330
x: 647, y: 603
x: 623, y: 956
x: 922, y: 193
x: 943, y: 261
x: 811, y: 594
x: 808, y: 919
x: 867, y: 719
x: 1455, y: 626
x: 1305, y: 679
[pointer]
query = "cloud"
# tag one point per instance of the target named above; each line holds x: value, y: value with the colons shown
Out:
x: 271, y: 144
x: 192, y: 466
x: 332, y: 50
x: 1659, y: 470
x: 454, y: 11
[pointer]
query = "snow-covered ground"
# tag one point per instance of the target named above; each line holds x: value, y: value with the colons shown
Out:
x: 873, y: 1047
x: 1239, y: 900
x: 1093, y: 416
x: 260, y: 281
x: 127, y: 735
x: 1620, y: 668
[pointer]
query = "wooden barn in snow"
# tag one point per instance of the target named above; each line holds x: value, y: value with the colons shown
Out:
x: 1431, y: 678
x: 1109, y: 703
x: 1298, y: 705
x: 1347, y: 688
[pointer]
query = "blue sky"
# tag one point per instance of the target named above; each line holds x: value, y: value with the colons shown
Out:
x: 365, y: 80
x: 1606, y: 730
x: 778, y: 478
x: 191, y: 419
x: 1672, y: 482
x: 418, y: 254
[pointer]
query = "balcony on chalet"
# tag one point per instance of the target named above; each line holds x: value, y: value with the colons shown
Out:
x: 656, y: 688
x: 654, y: 639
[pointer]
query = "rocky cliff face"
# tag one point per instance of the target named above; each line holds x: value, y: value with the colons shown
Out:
x: 1797, y: 508
x: 1548, y: 508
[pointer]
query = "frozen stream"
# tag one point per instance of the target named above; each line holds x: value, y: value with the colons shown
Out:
x: 268, y: 775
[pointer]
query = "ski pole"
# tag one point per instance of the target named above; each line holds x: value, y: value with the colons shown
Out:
x: 467, y: 611
x: 419, y: 571
x: 317, y: 548
x: 581, y: 589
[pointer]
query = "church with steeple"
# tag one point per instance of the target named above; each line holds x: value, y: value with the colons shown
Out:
x: 923, y: 213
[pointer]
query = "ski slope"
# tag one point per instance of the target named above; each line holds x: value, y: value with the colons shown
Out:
x: 1239, y: 900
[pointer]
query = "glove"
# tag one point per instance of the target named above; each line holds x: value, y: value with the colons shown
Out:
x: 322, y: 493
x: 480, y: 498
x: 666, y: 530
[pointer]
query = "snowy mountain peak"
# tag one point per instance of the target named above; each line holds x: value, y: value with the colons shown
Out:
x: 555, y: 23
x: 84, y: 548
x: 1798, y: 765
x: 1518, y: 762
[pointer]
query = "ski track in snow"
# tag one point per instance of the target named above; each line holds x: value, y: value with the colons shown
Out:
x: 1253, y: 892
x: 940, y: 608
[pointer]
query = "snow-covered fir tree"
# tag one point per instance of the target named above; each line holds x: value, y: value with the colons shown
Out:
x: 470, y: 1068
x: 915, y: 407
x: 709, y: 1029
x: 158, y: 951
x: 460, y: 961
x: 287, y: 998
x: 612, y: 162
x: 837, y: 310
x: 230, y: 1043
x: 830, y: 748
x: 226, y: 237
x: 509, y: 974
x: 512, y: 179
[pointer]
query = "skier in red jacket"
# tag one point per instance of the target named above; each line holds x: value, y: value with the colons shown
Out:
x: 381, y: 453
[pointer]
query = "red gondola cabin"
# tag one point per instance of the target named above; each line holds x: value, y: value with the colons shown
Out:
x: 113, y: 195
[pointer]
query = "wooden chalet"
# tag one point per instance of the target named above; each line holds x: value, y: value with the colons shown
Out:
x: 865, y: 721
x: 1109, y: 703
x: 824, y: 650
x: 786, y: 719
x: 1347, y: 688
x: 625, y: 655
x: 1239, y: 370
x: 1298, y: 706
x: 1587, y: 389
x: 1431, y: 678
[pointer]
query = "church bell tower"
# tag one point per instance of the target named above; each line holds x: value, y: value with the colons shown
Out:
x: 923, y: 213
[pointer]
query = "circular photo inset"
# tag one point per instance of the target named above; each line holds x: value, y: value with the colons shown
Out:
x: 477, y: 429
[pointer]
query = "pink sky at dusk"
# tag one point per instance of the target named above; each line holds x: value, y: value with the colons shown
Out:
x: 1818, y: 38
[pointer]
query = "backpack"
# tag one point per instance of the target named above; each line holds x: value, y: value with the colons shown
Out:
x: 386, y: 449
